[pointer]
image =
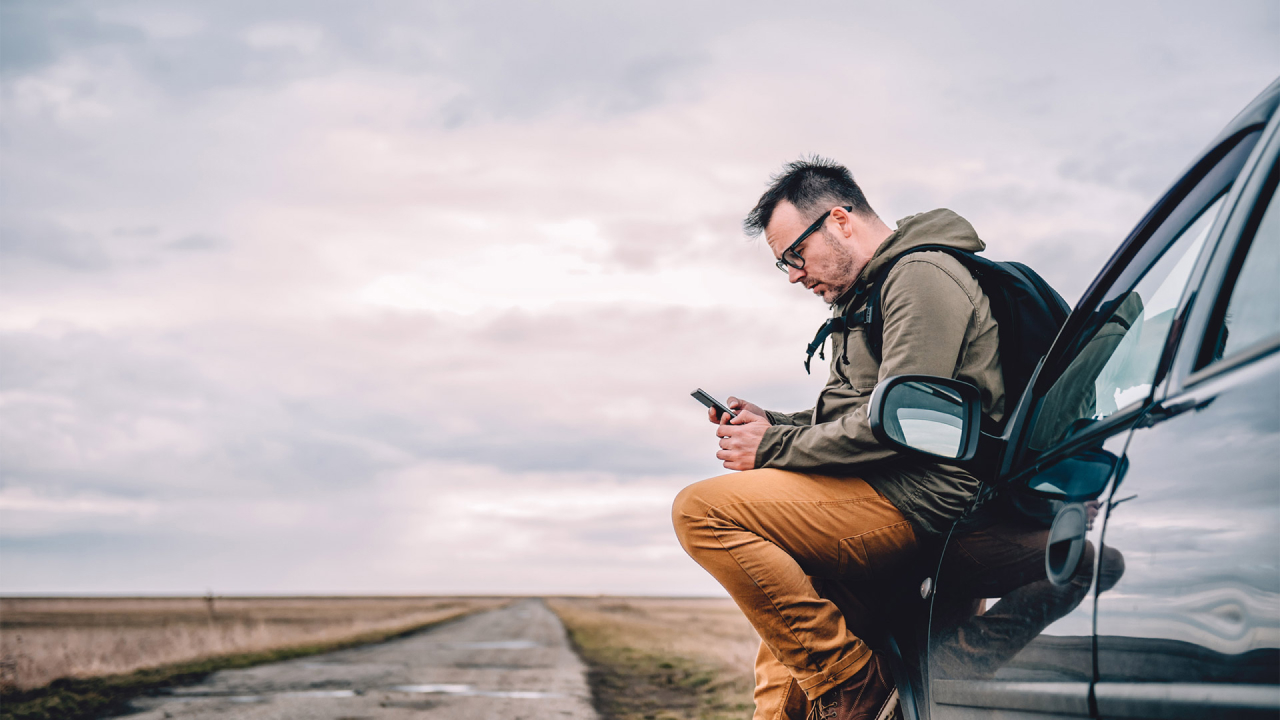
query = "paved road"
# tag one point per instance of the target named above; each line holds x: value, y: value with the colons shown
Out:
x: 504, y: 664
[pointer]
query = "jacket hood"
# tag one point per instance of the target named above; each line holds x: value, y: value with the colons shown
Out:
x: 936, y: 227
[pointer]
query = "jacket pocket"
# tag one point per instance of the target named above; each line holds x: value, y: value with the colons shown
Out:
x: 877, y: 554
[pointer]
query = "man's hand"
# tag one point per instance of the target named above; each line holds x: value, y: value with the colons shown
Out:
x: 1091, y: 512
x: 740, y: 436
x: 737, y: 405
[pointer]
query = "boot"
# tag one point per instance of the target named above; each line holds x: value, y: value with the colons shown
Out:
x: 870, y: 694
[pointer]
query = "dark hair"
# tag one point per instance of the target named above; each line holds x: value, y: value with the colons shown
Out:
x: 814, y: 185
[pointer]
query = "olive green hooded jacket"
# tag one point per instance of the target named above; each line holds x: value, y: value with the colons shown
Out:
x: 937, y: 321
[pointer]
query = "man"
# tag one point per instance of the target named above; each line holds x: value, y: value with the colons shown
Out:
x: 821, y: 510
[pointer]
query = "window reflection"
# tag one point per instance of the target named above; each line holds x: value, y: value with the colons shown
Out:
x: 1117, y: 366
x: 1253, y: 315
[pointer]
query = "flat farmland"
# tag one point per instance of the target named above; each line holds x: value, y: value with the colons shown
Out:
x: 42, y: 639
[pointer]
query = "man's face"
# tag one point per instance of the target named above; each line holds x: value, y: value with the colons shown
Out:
x: 829, y: 266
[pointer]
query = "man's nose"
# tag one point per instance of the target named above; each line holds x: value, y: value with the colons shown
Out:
x: 794, y: 274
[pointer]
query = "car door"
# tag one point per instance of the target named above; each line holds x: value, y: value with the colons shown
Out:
x: 1192, y: 629
x: 1011, y: 628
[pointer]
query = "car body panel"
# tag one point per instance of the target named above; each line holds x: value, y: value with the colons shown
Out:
x: 1155, y: 650
x: 1027, y: 646
x: 1193, y: 630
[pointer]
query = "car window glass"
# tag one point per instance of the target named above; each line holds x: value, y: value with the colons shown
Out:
x: 1253, y: 313
x: 1117, y: 366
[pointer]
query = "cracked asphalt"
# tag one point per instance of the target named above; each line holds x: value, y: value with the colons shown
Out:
x: 511, y: 663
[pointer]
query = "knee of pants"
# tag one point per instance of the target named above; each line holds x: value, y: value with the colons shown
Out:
x: 680, y: 515
x: 690, y: 509
x: 1110, y: 568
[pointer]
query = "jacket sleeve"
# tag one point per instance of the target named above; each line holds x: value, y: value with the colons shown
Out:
x: 926, y: 312
x: 804, y: 417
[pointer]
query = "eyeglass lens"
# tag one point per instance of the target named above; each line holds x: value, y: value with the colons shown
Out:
x: 790, y: 258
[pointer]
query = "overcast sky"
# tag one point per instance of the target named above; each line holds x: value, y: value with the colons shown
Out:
x: 409, y: 296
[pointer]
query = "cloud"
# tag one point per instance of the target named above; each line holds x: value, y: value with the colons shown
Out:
x: 35, y: 34
x: 504, y: 60
x: 407, y: 296
x: 196, y: 242
x: 51, y: 243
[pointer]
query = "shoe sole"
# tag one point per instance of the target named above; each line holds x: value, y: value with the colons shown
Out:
x: 890, y: 706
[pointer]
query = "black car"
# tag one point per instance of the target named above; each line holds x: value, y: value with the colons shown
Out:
x: 1133, y: 523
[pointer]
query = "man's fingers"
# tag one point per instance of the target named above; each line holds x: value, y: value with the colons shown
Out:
x: 731, y: 461
x: 735, y: 403
x: 733, y: 448
x: 746, y: 416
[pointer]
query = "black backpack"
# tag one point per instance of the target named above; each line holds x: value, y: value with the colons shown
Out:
x: 1028, y: 311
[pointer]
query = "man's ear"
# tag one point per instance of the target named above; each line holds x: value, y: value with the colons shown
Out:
x: 846, y: 221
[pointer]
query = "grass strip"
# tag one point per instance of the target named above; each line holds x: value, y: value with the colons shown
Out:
x: 629, y: 683
x: 85, y: 698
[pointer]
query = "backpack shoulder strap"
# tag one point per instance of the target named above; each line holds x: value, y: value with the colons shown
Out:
x: 870, y: 316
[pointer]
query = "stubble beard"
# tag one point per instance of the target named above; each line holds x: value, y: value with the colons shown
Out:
x: 846, y: 269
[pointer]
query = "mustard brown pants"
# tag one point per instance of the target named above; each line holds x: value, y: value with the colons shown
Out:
x: 773, y: 539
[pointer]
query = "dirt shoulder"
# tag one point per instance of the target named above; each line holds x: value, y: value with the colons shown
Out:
x: 663, y: 658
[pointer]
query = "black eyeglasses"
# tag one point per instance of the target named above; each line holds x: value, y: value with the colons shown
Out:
x: 791, y: 257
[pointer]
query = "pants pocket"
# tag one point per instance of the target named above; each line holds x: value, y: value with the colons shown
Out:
x: 876, y: 554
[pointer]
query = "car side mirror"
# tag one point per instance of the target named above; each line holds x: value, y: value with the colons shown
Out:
x: 935, y: 416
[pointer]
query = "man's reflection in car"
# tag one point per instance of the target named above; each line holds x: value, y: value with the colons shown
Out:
x: 1073, y: 402
x: 1000, y: 552
x: 1004, y: 560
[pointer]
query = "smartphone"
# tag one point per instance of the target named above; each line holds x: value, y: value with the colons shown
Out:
x: 701, y: 396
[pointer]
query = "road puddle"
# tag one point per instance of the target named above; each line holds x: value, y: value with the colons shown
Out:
x: 189, y: 695
x: 454, y: 689
x: 497, y: 645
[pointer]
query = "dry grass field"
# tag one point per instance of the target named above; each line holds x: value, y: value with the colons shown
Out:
x: 663, y: 658
x: 42, y: 639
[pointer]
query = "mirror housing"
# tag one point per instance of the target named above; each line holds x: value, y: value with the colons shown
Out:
x: 933, y: 416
